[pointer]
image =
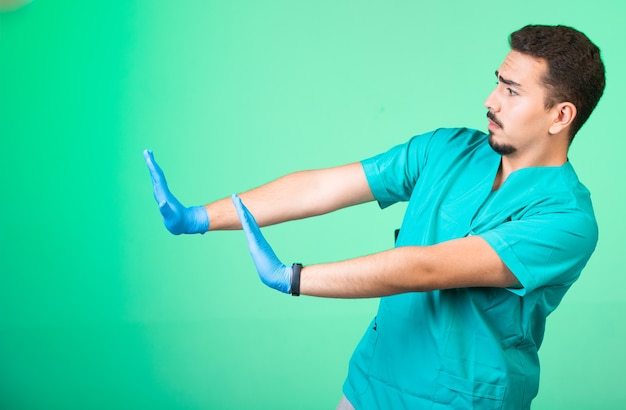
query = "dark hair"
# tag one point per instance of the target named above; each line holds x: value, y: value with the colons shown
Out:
x: 575, y: 69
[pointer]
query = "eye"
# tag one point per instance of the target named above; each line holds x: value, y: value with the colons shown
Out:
x: 511, y: 91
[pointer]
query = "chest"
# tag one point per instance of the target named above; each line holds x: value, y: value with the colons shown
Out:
x: 458, y: 200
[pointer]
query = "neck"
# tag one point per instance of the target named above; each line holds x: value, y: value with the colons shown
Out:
x: 510, y: 164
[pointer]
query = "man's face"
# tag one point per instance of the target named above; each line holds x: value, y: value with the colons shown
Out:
x: 518, y: 119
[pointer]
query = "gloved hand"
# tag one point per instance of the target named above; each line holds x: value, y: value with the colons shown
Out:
x: 177, y: 218
x: 271, y: 270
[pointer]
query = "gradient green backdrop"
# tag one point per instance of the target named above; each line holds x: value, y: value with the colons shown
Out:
x: 100, y: 307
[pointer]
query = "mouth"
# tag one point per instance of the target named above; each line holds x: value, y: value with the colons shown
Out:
x: 494, y: 124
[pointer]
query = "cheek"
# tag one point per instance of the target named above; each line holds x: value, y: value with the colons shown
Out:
x: 527, y: 115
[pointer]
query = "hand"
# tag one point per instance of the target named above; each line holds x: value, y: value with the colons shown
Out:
x: 271, y: 270
x: 177, y: 218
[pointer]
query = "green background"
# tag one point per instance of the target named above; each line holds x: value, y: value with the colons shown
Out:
x: 100, y: 307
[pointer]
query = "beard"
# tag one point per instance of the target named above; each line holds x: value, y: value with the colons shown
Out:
x: 502, y: 149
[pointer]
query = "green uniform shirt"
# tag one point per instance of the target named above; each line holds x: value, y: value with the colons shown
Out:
x: 470, y: 347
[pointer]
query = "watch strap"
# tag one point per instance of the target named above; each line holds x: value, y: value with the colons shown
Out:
x: 295, y: 279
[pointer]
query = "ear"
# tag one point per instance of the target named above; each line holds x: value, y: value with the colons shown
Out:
x: 564, y: 114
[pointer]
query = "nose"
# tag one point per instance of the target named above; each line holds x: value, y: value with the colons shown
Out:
x: 491, y: 103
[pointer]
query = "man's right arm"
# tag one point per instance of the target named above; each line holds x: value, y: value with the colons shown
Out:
x: 294, y: 196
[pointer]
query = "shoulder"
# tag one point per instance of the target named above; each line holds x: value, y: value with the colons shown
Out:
x: 556, y: 188
x: 445, y: 143
x: 567, y: 198
x: 456, y: 136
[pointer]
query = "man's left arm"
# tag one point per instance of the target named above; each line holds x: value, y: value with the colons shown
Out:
x: 459, y: 263
x: 464, y: 262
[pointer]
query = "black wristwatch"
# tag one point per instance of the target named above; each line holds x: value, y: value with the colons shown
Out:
x: 295, y: 279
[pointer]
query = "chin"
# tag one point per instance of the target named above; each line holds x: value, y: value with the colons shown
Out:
x: 502, y: 149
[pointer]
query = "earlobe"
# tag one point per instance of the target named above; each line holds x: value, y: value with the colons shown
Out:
x: 565, y: 114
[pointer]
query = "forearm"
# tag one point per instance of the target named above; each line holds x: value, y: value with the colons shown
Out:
x: 465, y: 262
x: 296, y: 196
x: 381, y: 274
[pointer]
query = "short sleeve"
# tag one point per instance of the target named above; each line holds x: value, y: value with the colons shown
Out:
x: 392, y: 175
x: 548, y: 249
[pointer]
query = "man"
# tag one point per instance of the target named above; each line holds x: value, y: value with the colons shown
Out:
x: 496, y: 230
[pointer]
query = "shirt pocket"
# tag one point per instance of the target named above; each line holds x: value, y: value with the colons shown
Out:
x: 459, y: 393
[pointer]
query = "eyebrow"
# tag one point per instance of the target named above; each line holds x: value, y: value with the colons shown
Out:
x: 505, y: 81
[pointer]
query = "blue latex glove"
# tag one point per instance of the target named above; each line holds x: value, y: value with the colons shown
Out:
x: 177, y: 218
x: 271, y: 270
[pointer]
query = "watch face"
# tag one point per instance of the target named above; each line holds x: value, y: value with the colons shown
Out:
x: 12, y: 5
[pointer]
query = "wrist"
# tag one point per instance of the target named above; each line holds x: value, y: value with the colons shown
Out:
x: 199, y: 220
